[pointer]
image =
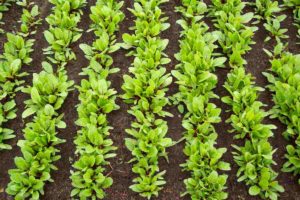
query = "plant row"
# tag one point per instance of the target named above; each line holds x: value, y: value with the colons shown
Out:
x: 295, y: 5
x: 267, y: 11
x: 283, y: 79
x: 97, y: 99
x: 254, y: 158
x: 145, y: 90
x: 4, y: 7
x: 48, y: 92
x: 196, y: 79
x: 16, y: 55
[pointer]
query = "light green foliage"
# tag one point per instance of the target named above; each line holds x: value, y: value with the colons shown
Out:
x: 63, y: 30
x: 284, y: 79
x: 196, y: 81
x: 266, y: 8
x: 267, y: 11
x: 39, y: 152
x: 254, y: 158
x: 47, y: 88
x: 4, y: 6
x: 16, y: 54
x: 145, y: 90
x: 236, y: 37
x: 90, y: 177
x: 48, y: 92
x: 29, y: 20
x: 295, y: 5
x: 38, y: 148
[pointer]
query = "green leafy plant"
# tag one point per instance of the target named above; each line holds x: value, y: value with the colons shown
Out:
x: 47, y: 88
x: 48, y: 92
x: 63, y: 30
x: 16, y: 55
x: 284, y: 83
x: 236, y: 37
x: 29, y: 20
x: 4, y: 6
x: 295, y: 5
x: 90, y: 176
x: 38, y: 148
x: 254, y: 158
x: 196, y: 81
x: 267, y: 10
x: 39, y: 152
x: 145, y: 90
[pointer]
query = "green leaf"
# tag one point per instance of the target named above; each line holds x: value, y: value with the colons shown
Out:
x: 254, y: 190
x: 29, y: 111
x: 35, y: 96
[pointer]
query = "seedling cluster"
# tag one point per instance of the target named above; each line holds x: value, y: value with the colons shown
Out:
x: 295, y: 5
x: 203, y: 49
x: 145, y: 90
x: 16, y: 55
x: 196, y: 79
x: 4, y: 6
x: 48, y: 92
x: 97, y: 99
x: 255, y: 157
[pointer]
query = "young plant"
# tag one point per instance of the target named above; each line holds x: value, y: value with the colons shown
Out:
x: 254, y: 158
x: 48, y: 92
x: 38, y: 148
x: 236, y: 37
x: 16, y: 55
x: 196, y: 81
x: 4, y: 7
x: 145, y: 90
x: 267, y: 10
x: 284, y: 83
x: 90, y: 176
x: 63, y: 30
x: 295, y: 5
x: 47, y: 88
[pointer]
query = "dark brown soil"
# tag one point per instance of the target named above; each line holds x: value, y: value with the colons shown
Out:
x: 120, y: 169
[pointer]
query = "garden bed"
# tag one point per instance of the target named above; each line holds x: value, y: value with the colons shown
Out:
x: 258, y: 62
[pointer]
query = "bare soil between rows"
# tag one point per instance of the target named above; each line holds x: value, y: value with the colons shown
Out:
x: 120, y: 168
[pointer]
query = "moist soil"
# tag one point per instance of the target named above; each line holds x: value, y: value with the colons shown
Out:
x: 120, y: 169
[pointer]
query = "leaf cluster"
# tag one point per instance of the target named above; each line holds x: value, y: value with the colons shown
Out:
x: 295, y: 4
x: 16, y: 54
x: 48, y: 92
x: 47, y: 88
x: 38, y: 149
x: 235, y: 35
x: 4, y: 6
x: 29, y: 20
x: 63, y: 30
x: 255, y: 157
x: 145, y: 89
x: 267, y: 11
x: 93, y: 145
x: 284, y: 77
x: 196, y: 81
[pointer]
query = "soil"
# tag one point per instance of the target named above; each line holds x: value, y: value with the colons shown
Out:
x: 120, y: 169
